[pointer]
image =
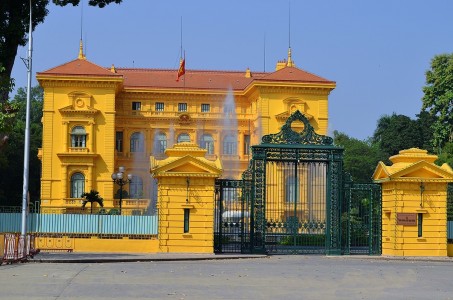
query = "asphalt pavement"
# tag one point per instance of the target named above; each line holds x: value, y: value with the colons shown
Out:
x: 200, y: 276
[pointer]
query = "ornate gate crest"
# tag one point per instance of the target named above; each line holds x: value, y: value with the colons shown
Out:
x: 287, y: 135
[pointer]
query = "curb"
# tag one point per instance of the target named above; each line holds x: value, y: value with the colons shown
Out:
x: 141, y: 259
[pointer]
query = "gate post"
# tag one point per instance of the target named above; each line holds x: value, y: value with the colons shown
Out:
x: 334, y: 200
x: 186, y: 192
x: 414, y: 200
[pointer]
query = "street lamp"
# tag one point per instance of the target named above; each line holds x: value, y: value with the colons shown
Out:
x: 119, y: 180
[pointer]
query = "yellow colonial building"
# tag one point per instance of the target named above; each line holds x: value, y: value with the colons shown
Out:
x: 96, y: 119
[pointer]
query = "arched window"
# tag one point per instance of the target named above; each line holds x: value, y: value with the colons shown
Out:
x: 136, y: 187
x: 230, y: 145
x: 77, y: 185
x: 207, y: 142
x: 78, y: 137
x: 160, y: 143
x: 183, y: 137
x: 137, y: 142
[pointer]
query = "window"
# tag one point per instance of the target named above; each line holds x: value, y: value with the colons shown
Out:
x: 182, y: 106
x: 136, y: 187
x: 420, y: 225
x: 78, y: 137
x: 160, y: 106
x: 77, y: 185
x: 230, y: 145
x: 119, y: 141
x: 205, y: 108
x: 137, y: 142
x: 183, y: 137
x: 160, y: 143
x: 136, y: 105
x: 207, y: 142
x: 246, y: 144
x: 186, y: 220
x: 290, y: 190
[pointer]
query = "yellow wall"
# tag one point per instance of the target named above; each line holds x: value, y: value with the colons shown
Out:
x: 172, y: 202
x: 413, y: 184
x: 2, y: 244
x: 96, y: 245
x: 186, y: 181
x: 86, y: 104
x: 403, y: 240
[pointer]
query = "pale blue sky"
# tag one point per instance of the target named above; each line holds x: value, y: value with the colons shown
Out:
x: 376, y: 51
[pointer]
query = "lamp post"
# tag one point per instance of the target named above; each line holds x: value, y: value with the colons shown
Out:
x: 119, y: 180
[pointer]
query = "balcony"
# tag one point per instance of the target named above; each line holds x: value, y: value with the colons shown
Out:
x: 78, y: 150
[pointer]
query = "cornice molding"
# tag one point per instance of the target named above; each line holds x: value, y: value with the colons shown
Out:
x: 78, y: 84
x: 302, y: 90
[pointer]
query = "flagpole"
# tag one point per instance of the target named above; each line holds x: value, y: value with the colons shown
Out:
x: 180, y: 52
x: 27, y: 131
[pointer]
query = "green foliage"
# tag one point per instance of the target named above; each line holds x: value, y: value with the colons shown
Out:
x: 304, y: 240
x: 360, y: 157
x: 14, y: 27
x: 446, y: 155
x: 92, y: 196
x: 114, y: 211
x: 438, y: 98
x: 99, y: 3
x: 12, y: 151
x: 14, y: 23
x: 397, y: 132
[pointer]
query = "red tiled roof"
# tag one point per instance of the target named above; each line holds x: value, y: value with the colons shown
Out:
x: 80, y: 67
x: 193, y: 79
x: 294, y: 74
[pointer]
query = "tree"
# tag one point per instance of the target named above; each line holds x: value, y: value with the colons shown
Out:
x: 438, y: 98
x: 92, y: 196
x: 14, y: 23
x: 446, y: 155
x: 360, y: 157
x: 12, y: 152
x: 397, y: 132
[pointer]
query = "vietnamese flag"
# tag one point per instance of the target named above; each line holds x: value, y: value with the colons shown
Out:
x: 182, y: 68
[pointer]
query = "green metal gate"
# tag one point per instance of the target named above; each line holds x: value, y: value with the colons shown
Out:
x: 361, y: 219
x: 290, y: 200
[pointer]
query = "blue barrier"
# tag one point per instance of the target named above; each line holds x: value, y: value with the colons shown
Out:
x: 81, y: 224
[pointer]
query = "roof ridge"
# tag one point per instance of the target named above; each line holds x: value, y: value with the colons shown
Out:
x: 188, y: 70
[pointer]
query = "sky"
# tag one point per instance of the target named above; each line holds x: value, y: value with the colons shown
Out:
x: 376, y: 51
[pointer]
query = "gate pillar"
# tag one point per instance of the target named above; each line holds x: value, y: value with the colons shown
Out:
x: 414, y: 201
x: 186, y: 190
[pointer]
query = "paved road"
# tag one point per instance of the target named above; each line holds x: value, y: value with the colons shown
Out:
x: 275, y: 277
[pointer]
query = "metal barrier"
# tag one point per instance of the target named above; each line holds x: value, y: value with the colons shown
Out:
x: 18, y: 248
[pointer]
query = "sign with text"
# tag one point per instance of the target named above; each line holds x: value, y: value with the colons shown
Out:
x: 409, y: 219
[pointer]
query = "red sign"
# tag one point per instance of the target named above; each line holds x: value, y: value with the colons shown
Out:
x: 408, y: 219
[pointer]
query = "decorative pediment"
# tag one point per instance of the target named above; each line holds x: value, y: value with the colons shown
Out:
x: 295, y: 104
x: 80, y: 100
x: 380, y: 172
x: 187, y: 164
x: 185, y: 159
x: 287, y: 135
x: 407, y: 170
x: 282, y: 117
x: 80, y: 103
x: 71, y: 110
